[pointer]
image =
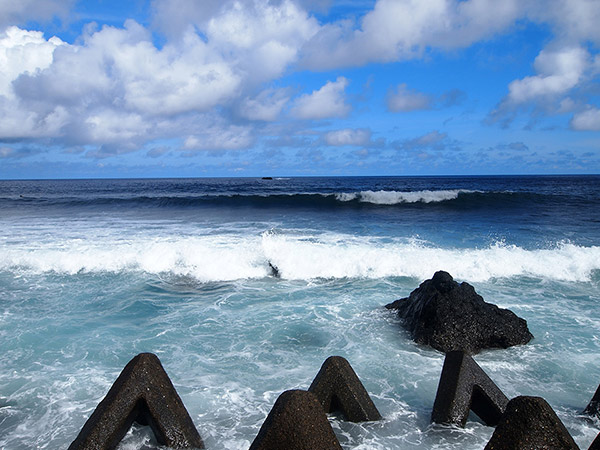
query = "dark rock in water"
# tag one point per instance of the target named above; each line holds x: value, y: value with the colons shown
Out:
x: 143, y: 393
x: 530, y: 423
x: 464, y: 386
x: 450, y: 316
x: 267, y: 178
x: 593, y: 409
x: 338, y: 388
x: 274, y: 271
x: 296, y: 422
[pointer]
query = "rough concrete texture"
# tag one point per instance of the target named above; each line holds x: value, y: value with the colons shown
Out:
x: 593, y: 409
x: 530, y: 423
x: 465, y: 386
x: 296, y: 422
x: 596, y: 444
x: 143, y: 393
x: 450, y: 316
x: 338, y: 388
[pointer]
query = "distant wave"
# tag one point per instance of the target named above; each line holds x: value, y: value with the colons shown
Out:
x: 395, y: 197
x: 461, y: 198
x: 223, y: 258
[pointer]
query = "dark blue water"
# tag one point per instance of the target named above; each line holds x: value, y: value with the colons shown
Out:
x: 93, y: 272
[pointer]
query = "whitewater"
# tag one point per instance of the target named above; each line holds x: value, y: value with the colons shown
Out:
x: 93, y: 272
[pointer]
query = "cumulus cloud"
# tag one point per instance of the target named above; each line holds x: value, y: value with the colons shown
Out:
x: 115, y: 84
x: 572, y: 20
x: 348, y: 136
x: 558, y: 71
x: 23, y: 52
x: 14, y: 12
x: 266, y: 106
x: 404, y: 99
x: 260, y: 38
x: 397, y: 30
x: 116, y: 89
x: 327, y: 102
x: 588, y: 120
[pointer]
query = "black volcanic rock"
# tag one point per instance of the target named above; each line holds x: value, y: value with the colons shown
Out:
x: 450, y: 316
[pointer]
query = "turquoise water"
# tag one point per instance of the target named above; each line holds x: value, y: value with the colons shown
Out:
x: 94, y: 272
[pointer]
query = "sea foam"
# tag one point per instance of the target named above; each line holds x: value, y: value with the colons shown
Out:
x: 396, y: 197
x: 302, y: 257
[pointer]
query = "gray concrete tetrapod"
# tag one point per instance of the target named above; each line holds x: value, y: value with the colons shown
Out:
x: 142, y: 393
x: 338, y: 388
x: 464, y: 386
x: 296, y: 422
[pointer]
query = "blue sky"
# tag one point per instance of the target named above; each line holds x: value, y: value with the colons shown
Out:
x: 169, y: 88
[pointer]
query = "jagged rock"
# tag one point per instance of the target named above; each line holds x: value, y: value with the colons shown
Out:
x: 530, y: 423
x: 338, y: 388
x: 274, y: 271
x: 593, y: 408
x: 296, y: 422
x: 142, y: 393
x: 465, y: 386
x: 450, y: 316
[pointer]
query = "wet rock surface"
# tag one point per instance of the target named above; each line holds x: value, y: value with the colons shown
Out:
x: 450, y: 316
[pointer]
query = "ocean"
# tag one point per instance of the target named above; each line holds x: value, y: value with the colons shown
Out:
x: 93, y: 272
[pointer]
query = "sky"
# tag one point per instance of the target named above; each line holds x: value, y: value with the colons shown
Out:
x: 188, y: 88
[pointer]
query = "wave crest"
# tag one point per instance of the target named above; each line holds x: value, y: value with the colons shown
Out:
x: 225, y: 258
x: 397, y: 197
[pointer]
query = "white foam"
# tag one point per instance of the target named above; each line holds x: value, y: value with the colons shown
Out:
x: 397, y: 197
x: 231, y: 257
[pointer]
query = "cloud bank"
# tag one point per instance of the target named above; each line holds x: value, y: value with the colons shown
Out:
x: 206, y: 76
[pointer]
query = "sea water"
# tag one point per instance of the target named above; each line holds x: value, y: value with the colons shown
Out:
x: 93, y: 272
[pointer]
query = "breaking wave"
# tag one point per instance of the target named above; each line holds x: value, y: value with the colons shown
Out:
x: 304, y: 257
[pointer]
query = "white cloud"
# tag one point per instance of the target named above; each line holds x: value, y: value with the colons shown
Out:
x: 14, y: 12
x: 348, y: 136
x: 23, y: 51
x: 401, y: 29
x: 404, y: 99
x: 558, y: 72
x: 572, y: 20
x: 257, y: 37
x: 559, y: 86
x: 266, y: 106
x: 327, y: 102
x: 220, y: 137
x: 588, y: 120
x: 115, y: 84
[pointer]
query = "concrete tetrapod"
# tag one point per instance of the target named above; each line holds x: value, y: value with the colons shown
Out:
x: 142, y: 393
x: 596, y: 444
x: 530, y: 423
x: 296, y: 422
x: 338, y: 388
x: 465, y: 386
x: 593, y: 408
